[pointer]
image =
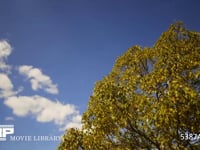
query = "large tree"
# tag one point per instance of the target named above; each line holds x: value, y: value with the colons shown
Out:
x: 150, y: 99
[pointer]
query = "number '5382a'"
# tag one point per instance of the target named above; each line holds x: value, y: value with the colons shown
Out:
x: 190, y: 136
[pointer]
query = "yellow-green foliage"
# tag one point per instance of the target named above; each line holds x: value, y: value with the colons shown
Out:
x: 150, y: 98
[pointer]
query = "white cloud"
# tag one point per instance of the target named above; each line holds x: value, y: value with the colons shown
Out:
x: 75, y: 123
x: 38, y: 79
x: 5, y: 82
x: 6, y: 86
x: 41, y: 108
x: 45, y: 110
x: 5, y: 51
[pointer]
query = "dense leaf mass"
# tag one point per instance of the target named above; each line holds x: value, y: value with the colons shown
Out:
x: 150, y: 99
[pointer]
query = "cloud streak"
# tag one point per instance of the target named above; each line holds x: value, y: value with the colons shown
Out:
x: 38, y: 80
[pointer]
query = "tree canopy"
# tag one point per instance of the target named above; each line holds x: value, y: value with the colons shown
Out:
x: 149, y: 100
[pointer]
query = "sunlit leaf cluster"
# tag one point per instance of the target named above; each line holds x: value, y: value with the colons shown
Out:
x: 150, y: 97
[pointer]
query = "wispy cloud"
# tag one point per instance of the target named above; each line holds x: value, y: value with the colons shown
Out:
x: 45, y: 110
x: 38, y: 80
x: 5, y: 51
x: 9, y: 118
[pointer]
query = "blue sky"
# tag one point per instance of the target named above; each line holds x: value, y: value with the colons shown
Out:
x: 53, y: 51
